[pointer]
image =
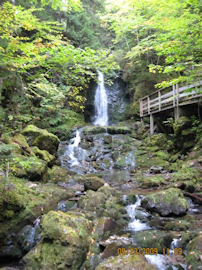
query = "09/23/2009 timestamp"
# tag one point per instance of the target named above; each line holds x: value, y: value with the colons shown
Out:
x: 148, y: 251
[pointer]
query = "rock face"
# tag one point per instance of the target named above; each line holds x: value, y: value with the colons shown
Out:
x: 66, y: 239
x: 125, y: 262
x: 41, y: 138
x: 170, y: 202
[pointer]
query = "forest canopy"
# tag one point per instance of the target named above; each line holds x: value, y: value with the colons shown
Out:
x: 51, y: 50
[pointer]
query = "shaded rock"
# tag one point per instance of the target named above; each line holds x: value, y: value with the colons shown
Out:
x: 20, y: 140
x: 28, y: 237
x: 93, y: 183
x: 167, y: 203
x: 153, y: 238
x: 181, y: 124
x: 126, y: 262
x: 157, y: 169
x: 106, y: 226
x: 41, y: 138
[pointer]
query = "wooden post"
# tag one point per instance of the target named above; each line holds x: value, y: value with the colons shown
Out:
x: 177, y: 109
x: 151, y: 124
x: 141, y: 108
x: 159, y: 96
x: 174, y: 96
x: 148, y: 104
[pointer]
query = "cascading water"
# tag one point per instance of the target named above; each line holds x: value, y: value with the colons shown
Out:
x: 135, y: 224
x: 101, y: 103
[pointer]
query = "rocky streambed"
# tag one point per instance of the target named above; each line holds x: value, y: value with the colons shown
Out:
x: 116, y: 202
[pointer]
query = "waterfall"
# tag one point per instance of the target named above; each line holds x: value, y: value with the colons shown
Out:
x: 101, y: 103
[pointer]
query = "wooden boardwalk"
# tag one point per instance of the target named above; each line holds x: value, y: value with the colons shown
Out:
x: 169, y: 98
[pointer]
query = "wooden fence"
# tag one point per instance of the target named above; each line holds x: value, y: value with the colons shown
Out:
x: 168, y: 98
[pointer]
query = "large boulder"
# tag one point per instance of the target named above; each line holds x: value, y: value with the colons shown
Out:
x: 32, y: 168
x: 126, y: 262
x: 93, y: 182
x: 66, y: 240
x: 41, y: 138
x: 170, y: 202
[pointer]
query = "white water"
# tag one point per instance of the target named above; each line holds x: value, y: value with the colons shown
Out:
x: 74, y: 154
x: 101, y: 103
x: 135, y: 224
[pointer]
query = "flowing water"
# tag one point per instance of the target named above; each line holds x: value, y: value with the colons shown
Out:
x: 135, y: 224
x: 101, y: 103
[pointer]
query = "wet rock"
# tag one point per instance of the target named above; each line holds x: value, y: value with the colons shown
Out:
x: 28, y: 237
x: 41, y: 138
x: 93, y: 183
x: 153, y: 239
x: 65, y: 206
x: 65, y: 235
x: 167, y: 203
x: 126, y: 262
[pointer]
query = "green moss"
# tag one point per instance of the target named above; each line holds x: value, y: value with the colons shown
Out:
x: 43, y: 154
x: 41, y: 138
x: 30, y: 167
x: 126, y: 262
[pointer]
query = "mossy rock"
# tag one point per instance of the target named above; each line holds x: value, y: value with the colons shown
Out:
x: 152, y: 181
x: 126, y: 262
x: 153, y: 238
x: 7, y: 149
x: 108, y: 203
x: 66, y: 240
x: 105, y: 227
x: 178, y: 225
x: 180, y: 124
x: 93, y: 182
x: 41, y: 138
x: 170, y: 202
x: 160, y: 140
x: 32, y: 168
x: 56, y: 174
x: 194, y: 250
x: 20, y: 140
x: 71, y: 228
x: 118, y: 130
x: 148, y: 160
x: 44, y: 155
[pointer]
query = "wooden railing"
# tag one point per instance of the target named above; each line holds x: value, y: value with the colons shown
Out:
x: 168, y: 98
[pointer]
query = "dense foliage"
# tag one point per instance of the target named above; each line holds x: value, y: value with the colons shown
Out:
x: 163, y: 38
x: 40, y: 70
